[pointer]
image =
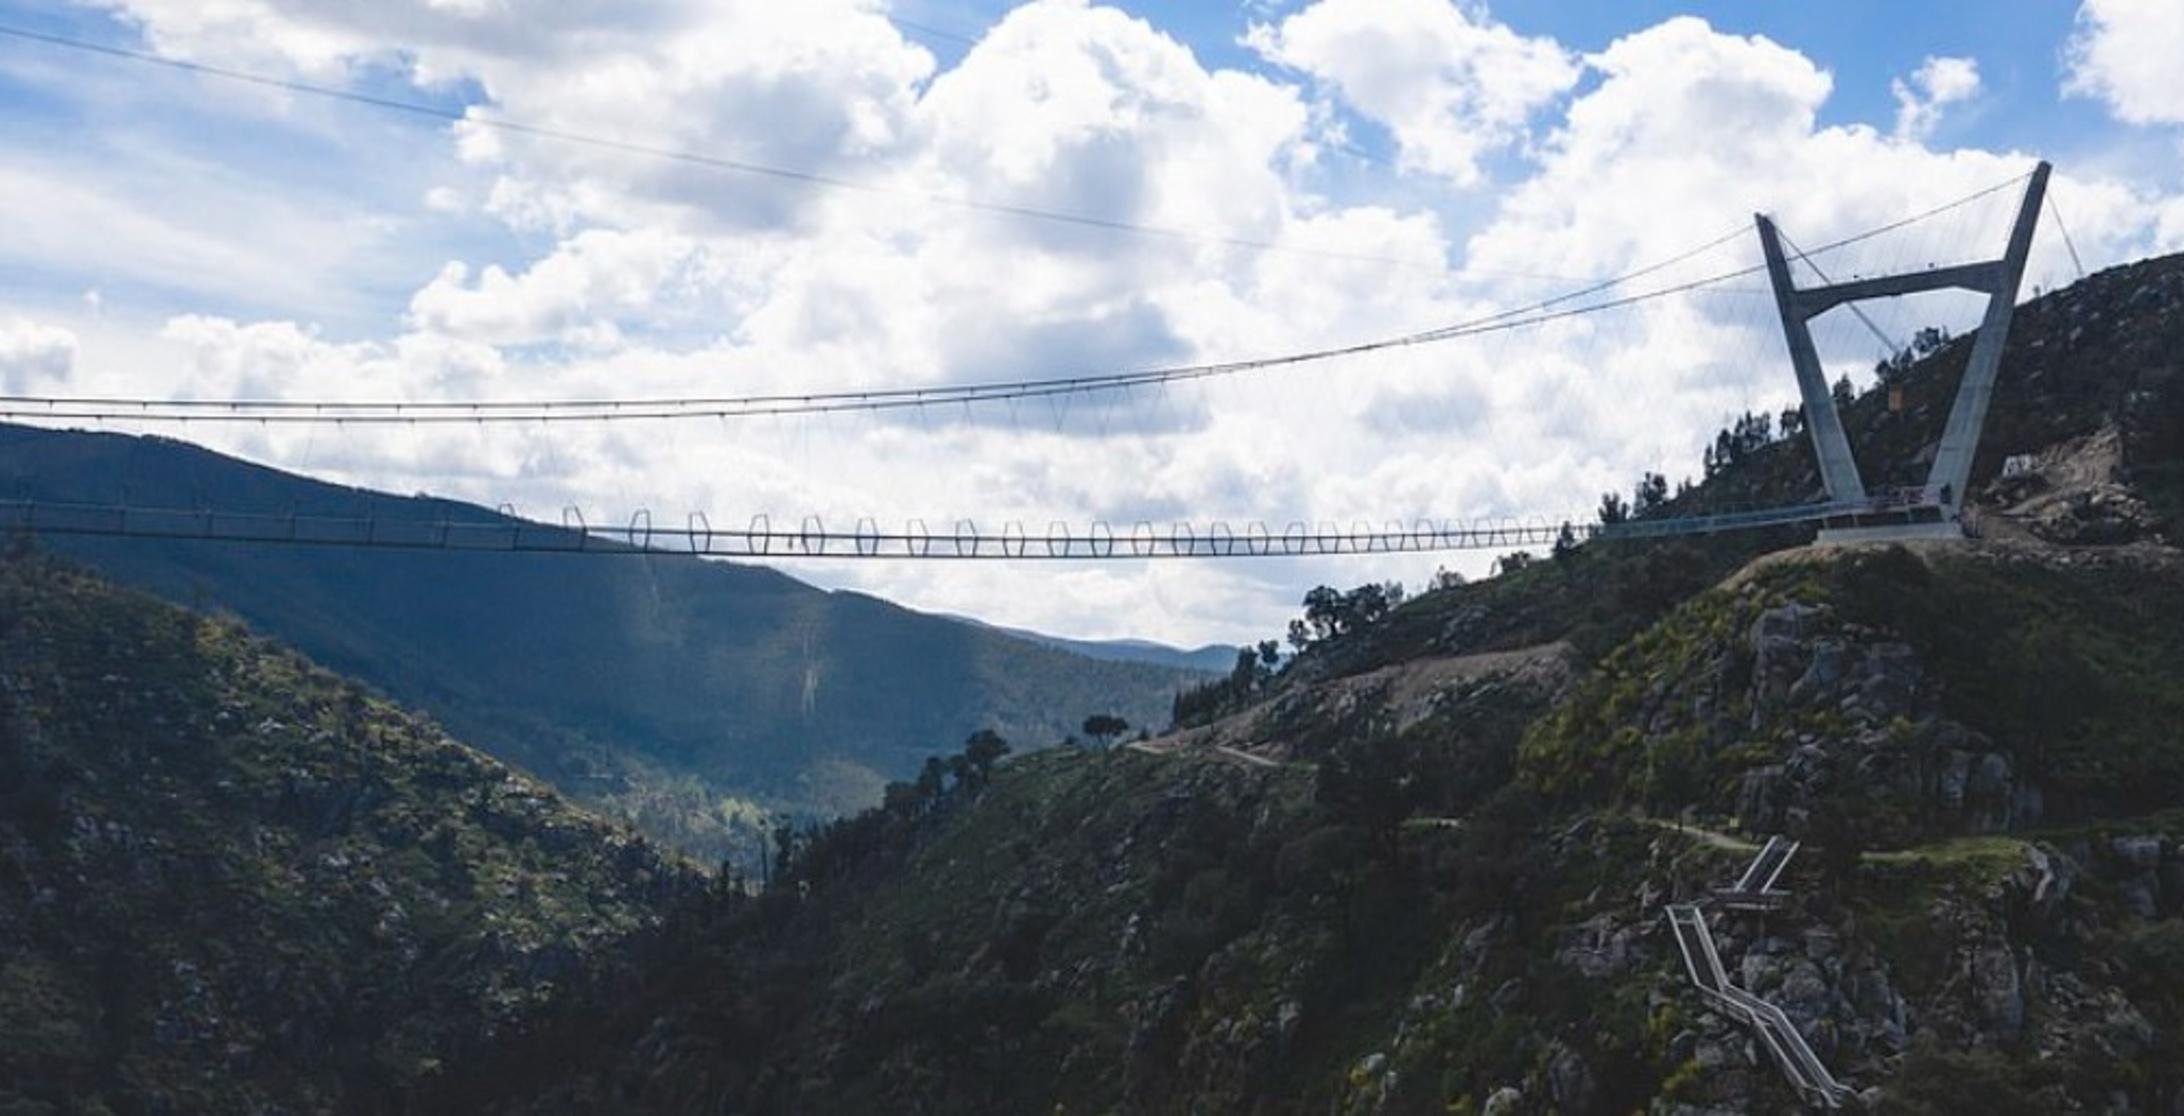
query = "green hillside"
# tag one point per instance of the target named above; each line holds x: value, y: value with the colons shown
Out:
x: 690, y: 697
x: 1424, y: 868
x: 233, y: 882
x: 1443, y: 903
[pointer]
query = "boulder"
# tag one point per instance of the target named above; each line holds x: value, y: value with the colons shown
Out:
x: 1569, y: 1079
x: 2044, y: 882
x: 2140, y: 857
x: 1822, y: 675
x: 1891, y: 679
x: 1998, y: 989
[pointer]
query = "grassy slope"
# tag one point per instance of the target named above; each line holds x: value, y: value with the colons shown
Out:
x: 2071, y: 672
x: 675, y: 692
x: 230, y: 881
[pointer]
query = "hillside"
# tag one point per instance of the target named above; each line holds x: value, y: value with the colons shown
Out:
x: 1213, y: 658
x: 689, y: 697
x: 233, y: 882
x: 1431, y: 909
x: 1425, y: 869
x: 2091, y: 385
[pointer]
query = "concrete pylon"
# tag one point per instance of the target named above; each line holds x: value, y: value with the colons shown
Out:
x: 1838, y: 469
x: 1951, y: 472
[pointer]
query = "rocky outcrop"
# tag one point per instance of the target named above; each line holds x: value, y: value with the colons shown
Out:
x: 2075, y: 494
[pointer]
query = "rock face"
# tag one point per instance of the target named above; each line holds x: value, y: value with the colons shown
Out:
x: 2077, y: 494
x: 235, y: 883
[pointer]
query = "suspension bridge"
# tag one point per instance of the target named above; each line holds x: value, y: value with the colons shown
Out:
x: 1846, y: 509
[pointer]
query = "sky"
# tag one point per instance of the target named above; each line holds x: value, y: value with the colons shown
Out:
x: 1302, y: 174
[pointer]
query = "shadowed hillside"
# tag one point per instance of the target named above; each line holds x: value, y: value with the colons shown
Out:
x: 232, y: 882
x: 689, y: 696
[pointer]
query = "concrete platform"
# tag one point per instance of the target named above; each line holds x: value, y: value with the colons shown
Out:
x: 1891, y: 532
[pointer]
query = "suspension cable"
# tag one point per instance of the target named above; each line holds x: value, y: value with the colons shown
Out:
x: 363, y: 412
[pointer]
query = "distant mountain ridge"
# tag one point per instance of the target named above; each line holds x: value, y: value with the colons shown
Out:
x: 1213, y: 658
x: 691, y: 697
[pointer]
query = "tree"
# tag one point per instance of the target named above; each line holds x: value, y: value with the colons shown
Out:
x: 1839, y: 829
x: 1565, y: 551
x: 1245, y: 676
x: 1893, y: 368
x: 1513, y: 561
x: 1300, y: 635
x: 1270, y: 654
x: 1326, y: 610
x: 1651, y: 495
x: 1367, y: 784
x: 1845, y: 395
x: 1104, y: 727
x: 1367, y: 603
x: 1445, y: 578
x: 1330, y: 613
x: 932, y: 777
x: 1613, y: 509
x: 1792, y: 422
x: 784, y: 843
x: 982, y: 750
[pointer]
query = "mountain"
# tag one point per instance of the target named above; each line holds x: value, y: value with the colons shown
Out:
x: 1429, y: 866
x: 233, y: 882
x: 1213, y: 658
x: 691, y: 697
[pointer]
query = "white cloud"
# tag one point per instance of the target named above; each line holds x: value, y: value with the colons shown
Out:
x: 34, y: 356
x: 2125, y: 53
x: 225, y: 359
x: 1638, y: 170
x: 1451, y: 87
x: 649, y: 277
x: 579, y: 294
x: 820, y: 85
x: 1938, y: 83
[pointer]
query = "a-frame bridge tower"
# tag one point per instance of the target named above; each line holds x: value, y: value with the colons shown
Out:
x: 1935, y: 510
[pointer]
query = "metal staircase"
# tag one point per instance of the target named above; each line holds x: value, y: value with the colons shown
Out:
x: 1755, y: 890
x: 1695, y: 938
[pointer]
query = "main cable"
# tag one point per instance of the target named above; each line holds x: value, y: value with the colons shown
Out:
x: 341, y: 412
x: 740, y: 166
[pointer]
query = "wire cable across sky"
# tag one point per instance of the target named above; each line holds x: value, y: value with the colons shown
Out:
x: 365, y: 412
x: 472, y: 115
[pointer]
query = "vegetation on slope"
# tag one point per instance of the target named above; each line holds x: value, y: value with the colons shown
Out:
x: 1445, y: 909
x: 2067, y: 675
x: 230, y: 881
x: 1444, y: 896
x: 691, y: 698
x: 1451, y: 901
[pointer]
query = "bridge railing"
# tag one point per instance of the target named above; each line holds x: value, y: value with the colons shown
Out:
x: 476, y: 529
x: 811, y: 538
